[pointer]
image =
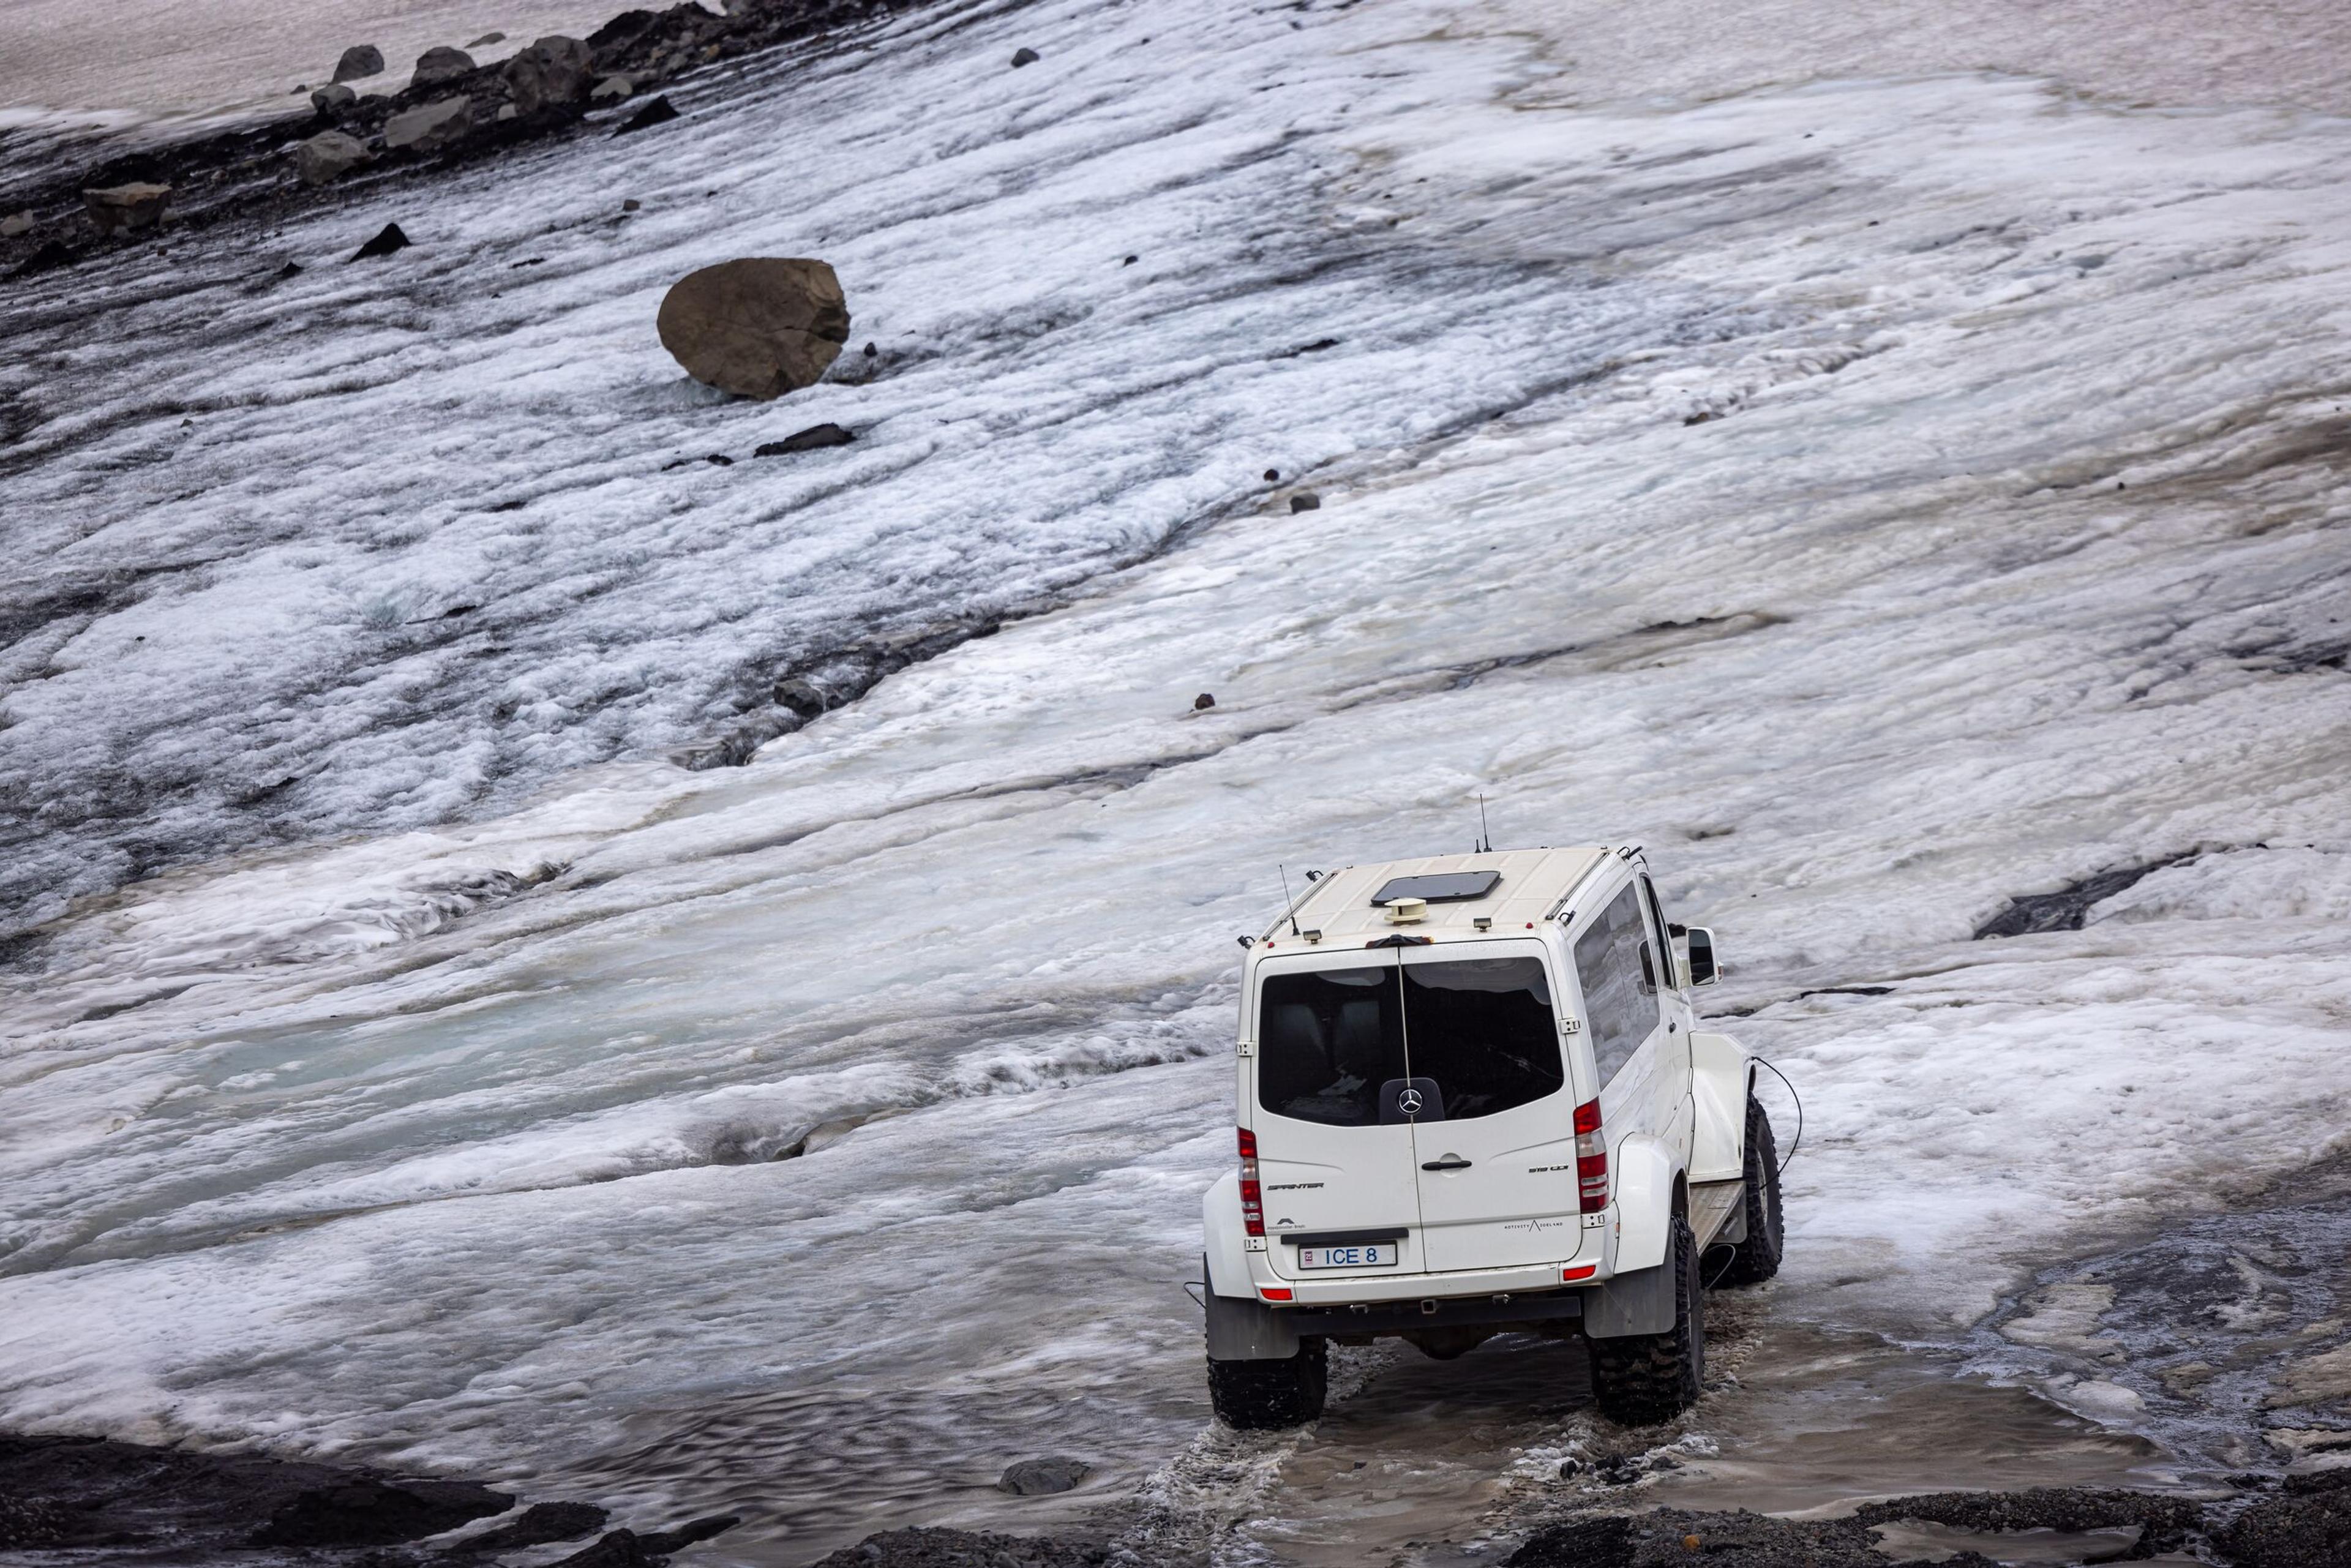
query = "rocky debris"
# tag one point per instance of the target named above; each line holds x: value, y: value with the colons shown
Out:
x: 2163, y: 1521
x: 120, y: 208
x: 440, y: 64
x: 1025, y: 58
x: 291, y: 269
x: 1202, y: 704
x: 538, y: 1525
x: 926, y: 1548
x: 360, y: 60
x: 612, y: 90
x: 16, y: 224
x: 808, y: 440
x: 758, y: 327
x: 2306, y: 1525
x: 365, y: 1512
x: 657, y: 112
x: 1042, y: 1478
x: 630, y: 204
x: 487, y: 38
x: 82, y: 1493
x: 1305, y: 501
x: 627, y: 1548
x: 1739, y: 1539
x: 387, y: 239
x: 239, y: 171
x: 434, y: 127
x: 328, y: 156
x: 554, y: 70
x: 332, y: 96
x: 1272, y: 474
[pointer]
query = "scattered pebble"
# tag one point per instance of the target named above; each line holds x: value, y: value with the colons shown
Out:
x: 487, y: 38
x: 1204, y: 701
x: 1305, y: 501
x: 808, y: 440
x: 1041, y: 1477
x: 388, y: 239
x: 1272, y: 474
x: 659, y: 111
x: 632, y: 205
x: 1025, y: 58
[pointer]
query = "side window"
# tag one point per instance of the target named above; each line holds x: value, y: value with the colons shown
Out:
x: 1610, y: 959
x: 1660, y: 933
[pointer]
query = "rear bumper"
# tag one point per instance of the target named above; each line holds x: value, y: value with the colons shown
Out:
x: 1436, y: 1312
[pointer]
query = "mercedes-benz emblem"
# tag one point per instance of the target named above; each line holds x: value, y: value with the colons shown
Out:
x: 1409, y: 1101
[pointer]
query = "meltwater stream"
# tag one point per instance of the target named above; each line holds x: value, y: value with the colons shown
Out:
x: 1884, y: 499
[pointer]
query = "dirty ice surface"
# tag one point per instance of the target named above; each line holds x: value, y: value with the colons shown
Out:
x: 1882, y: 498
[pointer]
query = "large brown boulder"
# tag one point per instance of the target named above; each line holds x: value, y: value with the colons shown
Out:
x: 137, y: 205
x: 758, y: 328
x: 556, y: 69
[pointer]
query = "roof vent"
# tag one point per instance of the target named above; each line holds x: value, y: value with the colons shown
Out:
x: 1443, y: 887
x: 1406, y: 911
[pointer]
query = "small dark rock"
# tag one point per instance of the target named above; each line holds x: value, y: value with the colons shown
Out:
x: 1130, y: 261
x: 477, y: 43
x: 1205, y: 701
x: 335, y: 96
x: 720, y: 459
x: 117, y: 209
x: 803, y: 697
x: 871, y: 351
x: 620, y: 1549
x: 659, y: 111
x: 928, y: 1548
x: 691, y: 1530
x: 1570, y: 1469
x: 808, y: 440
x: 291, y: 269
x: 1025, y: 58
x: 1305, y: 501
x: 541, y: 1522
x: 360, y: 60
x: 367, y: 1513
x: 1041, y: 1477
x: 1272, y: 474
x: 632, y: 206
x: 52, y: 255
x: 387, y: 239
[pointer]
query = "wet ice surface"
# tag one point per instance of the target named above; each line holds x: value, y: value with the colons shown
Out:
x: 1907, y: 494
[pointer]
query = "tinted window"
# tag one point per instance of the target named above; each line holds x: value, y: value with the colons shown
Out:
x: 1484, y: 1029
x: 1326, y: 1042
x: 1612, y: 960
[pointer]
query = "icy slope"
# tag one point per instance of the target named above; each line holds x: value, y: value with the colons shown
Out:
x: 1936, y: 500
x: 385, y: 544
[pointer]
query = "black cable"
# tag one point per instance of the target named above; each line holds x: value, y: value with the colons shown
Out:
x: 1800, y: 1116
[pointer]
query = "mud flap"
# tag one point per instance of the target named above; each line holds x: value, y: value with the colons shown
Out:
x: 1243, y: 1329
x: 1642, y: 1302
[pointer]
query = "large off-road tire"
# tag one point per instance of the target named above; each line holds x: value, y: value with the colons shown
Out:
x: 1267, y: 1395
x: 1639, y: 1380
x: 1757, y: 1259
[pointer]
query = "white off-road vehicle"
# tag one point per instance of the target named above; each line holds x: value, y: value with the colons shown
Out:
x: 1474, y: 1099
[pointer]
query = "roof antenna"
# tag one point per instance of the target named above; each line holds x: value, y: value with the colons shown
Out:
x: 1293, y: 910
x: 1484, y: 839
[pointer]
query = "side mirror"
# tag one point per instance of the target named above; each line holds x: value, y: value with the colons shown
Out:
x: 1703, y: 969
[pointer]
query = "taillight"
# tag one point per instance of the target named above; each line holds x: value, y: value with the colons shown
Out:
x: 1591, y: 1159
x: 1253, y: 1195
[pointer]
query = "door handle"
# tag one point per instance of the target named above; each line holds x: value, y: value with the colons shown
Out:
x: 1451, y: 1163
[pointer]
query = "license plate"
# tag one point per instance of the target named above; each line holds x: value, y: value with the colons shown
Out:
x: 1369, y: 1255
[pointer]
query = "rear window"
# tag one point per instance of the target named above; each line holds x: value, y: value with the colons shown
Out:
x: 1334, y: 1045
x: 1612, y: 961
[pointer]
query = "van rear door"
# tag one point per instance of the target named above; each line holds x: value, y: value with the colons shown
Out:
x: 1497, y: 1158
x: 1333, y: 1118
